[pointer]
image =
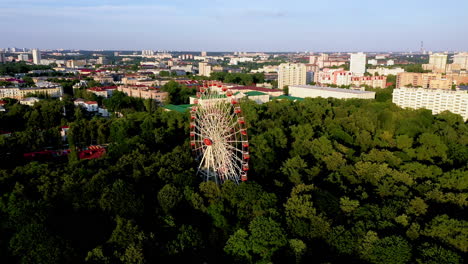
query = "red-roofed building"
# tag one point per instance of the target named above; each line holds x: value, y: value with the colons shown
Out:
x: 90, y: 106
x: 143, y: 92
x: 373, y: 81
x: 105, y: 91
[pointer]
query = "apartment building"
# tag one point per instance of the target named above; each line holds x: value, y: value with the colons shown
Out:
x: 358, y: 64
x: 385, y: 71
x: 144, y: 92
x: 437, y: 62
x: 291, y: 74
x: 461, y: 59
x: 204, y: 69
x: 416, y: 79
x: 436, y: 100
x: 36, y: 54
x: 373, y: 81
x: 20, y: 93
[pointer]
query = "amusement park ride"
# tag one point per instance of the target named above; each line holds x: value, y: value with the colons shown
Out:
x: 218, y: 135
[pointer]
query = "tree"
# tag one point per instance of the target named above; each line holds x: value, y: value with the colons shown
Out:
x: 266, y: 236
x: 392, y: 250
x: 168, y: 197
x: 451, y: 231
x: 286, y: 90
x: 238, y: 245
x: 435, y: 254
x: 348, y: 205
x: 298, y: 247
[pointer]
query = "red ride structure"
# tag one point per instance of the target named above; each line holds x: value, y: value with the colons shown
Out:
x: 218, y: 135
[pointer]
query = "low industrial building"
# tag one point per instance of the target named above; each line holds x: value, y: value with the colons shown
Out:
x: 304, y: 91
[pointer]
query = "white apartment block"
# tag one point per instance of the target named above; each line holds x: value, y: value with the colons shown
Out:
x: 358, y: 64
x: 385, y: 71
x: 436, y: 100
x: 147, y: 53
x: 204, y: 69
x: 304, y: 91
x: 291, y: 74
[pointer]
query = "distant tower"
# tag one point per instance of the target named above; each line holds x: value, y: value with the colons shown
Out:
x: 422, y: 48
x: 2, y: 57
x: 36, y: 56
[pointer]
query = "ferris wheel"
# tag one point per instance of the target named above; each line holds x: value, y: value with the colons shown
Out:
x: 218, y: 135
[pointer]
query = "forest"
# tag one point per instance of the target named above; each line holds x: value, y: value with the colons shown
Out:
x: 331, y: 181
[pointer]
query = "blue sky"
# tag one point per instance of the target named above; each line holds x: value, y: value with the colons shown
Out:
x: 240, y: 25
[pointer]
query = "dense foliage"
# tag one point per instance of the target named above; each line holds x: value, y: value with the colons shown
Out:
x: 10, y: 68
x: 332, y: 181
x: 239, y: 78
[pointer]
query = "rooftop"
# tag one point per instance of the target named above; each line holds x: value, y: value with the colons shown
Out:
x: 255, y: 88
x: 292, y: 98
x: 179, y: 108
x: 254, y: 93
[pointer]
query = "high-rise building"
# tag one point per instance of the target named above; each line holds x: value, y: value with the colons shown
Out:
x: 437, y: 100
x: 461, y: 59
x: 291, y: 74
x: 2, y: 57
x: 358, y: 64
x: 203, y: 53
x: 204, y: 69
x: 437, y: 62
x: 36, y: 54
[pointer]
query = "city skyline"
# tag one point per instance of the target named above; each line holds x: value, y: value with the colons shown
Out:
x: 213, y: 25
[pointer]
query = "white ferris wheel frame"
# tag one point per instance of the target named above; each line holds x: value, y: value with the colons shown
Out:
x: 218, y: 136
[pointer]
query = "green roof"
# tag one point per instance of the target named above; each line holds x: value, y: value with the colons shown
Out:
x: 289, y: 98
x: 254, y: 93
x: 213, y: 96
x: 179, y: 108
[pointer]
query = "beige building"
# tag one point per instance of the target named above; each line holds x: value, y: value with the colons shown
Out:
x: 428, y: 77
x: 461, y: 59
x: 291, y: 74
x: 204, y: 69
x: 409, y: 79
x: 373, y: 81
x: 144, y: 92
x: 20, y: 93
x: 416, y: 79
x: 440, y: 84
x: 437, y: 62
x: 436, y: 100
x: 75, y: 63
